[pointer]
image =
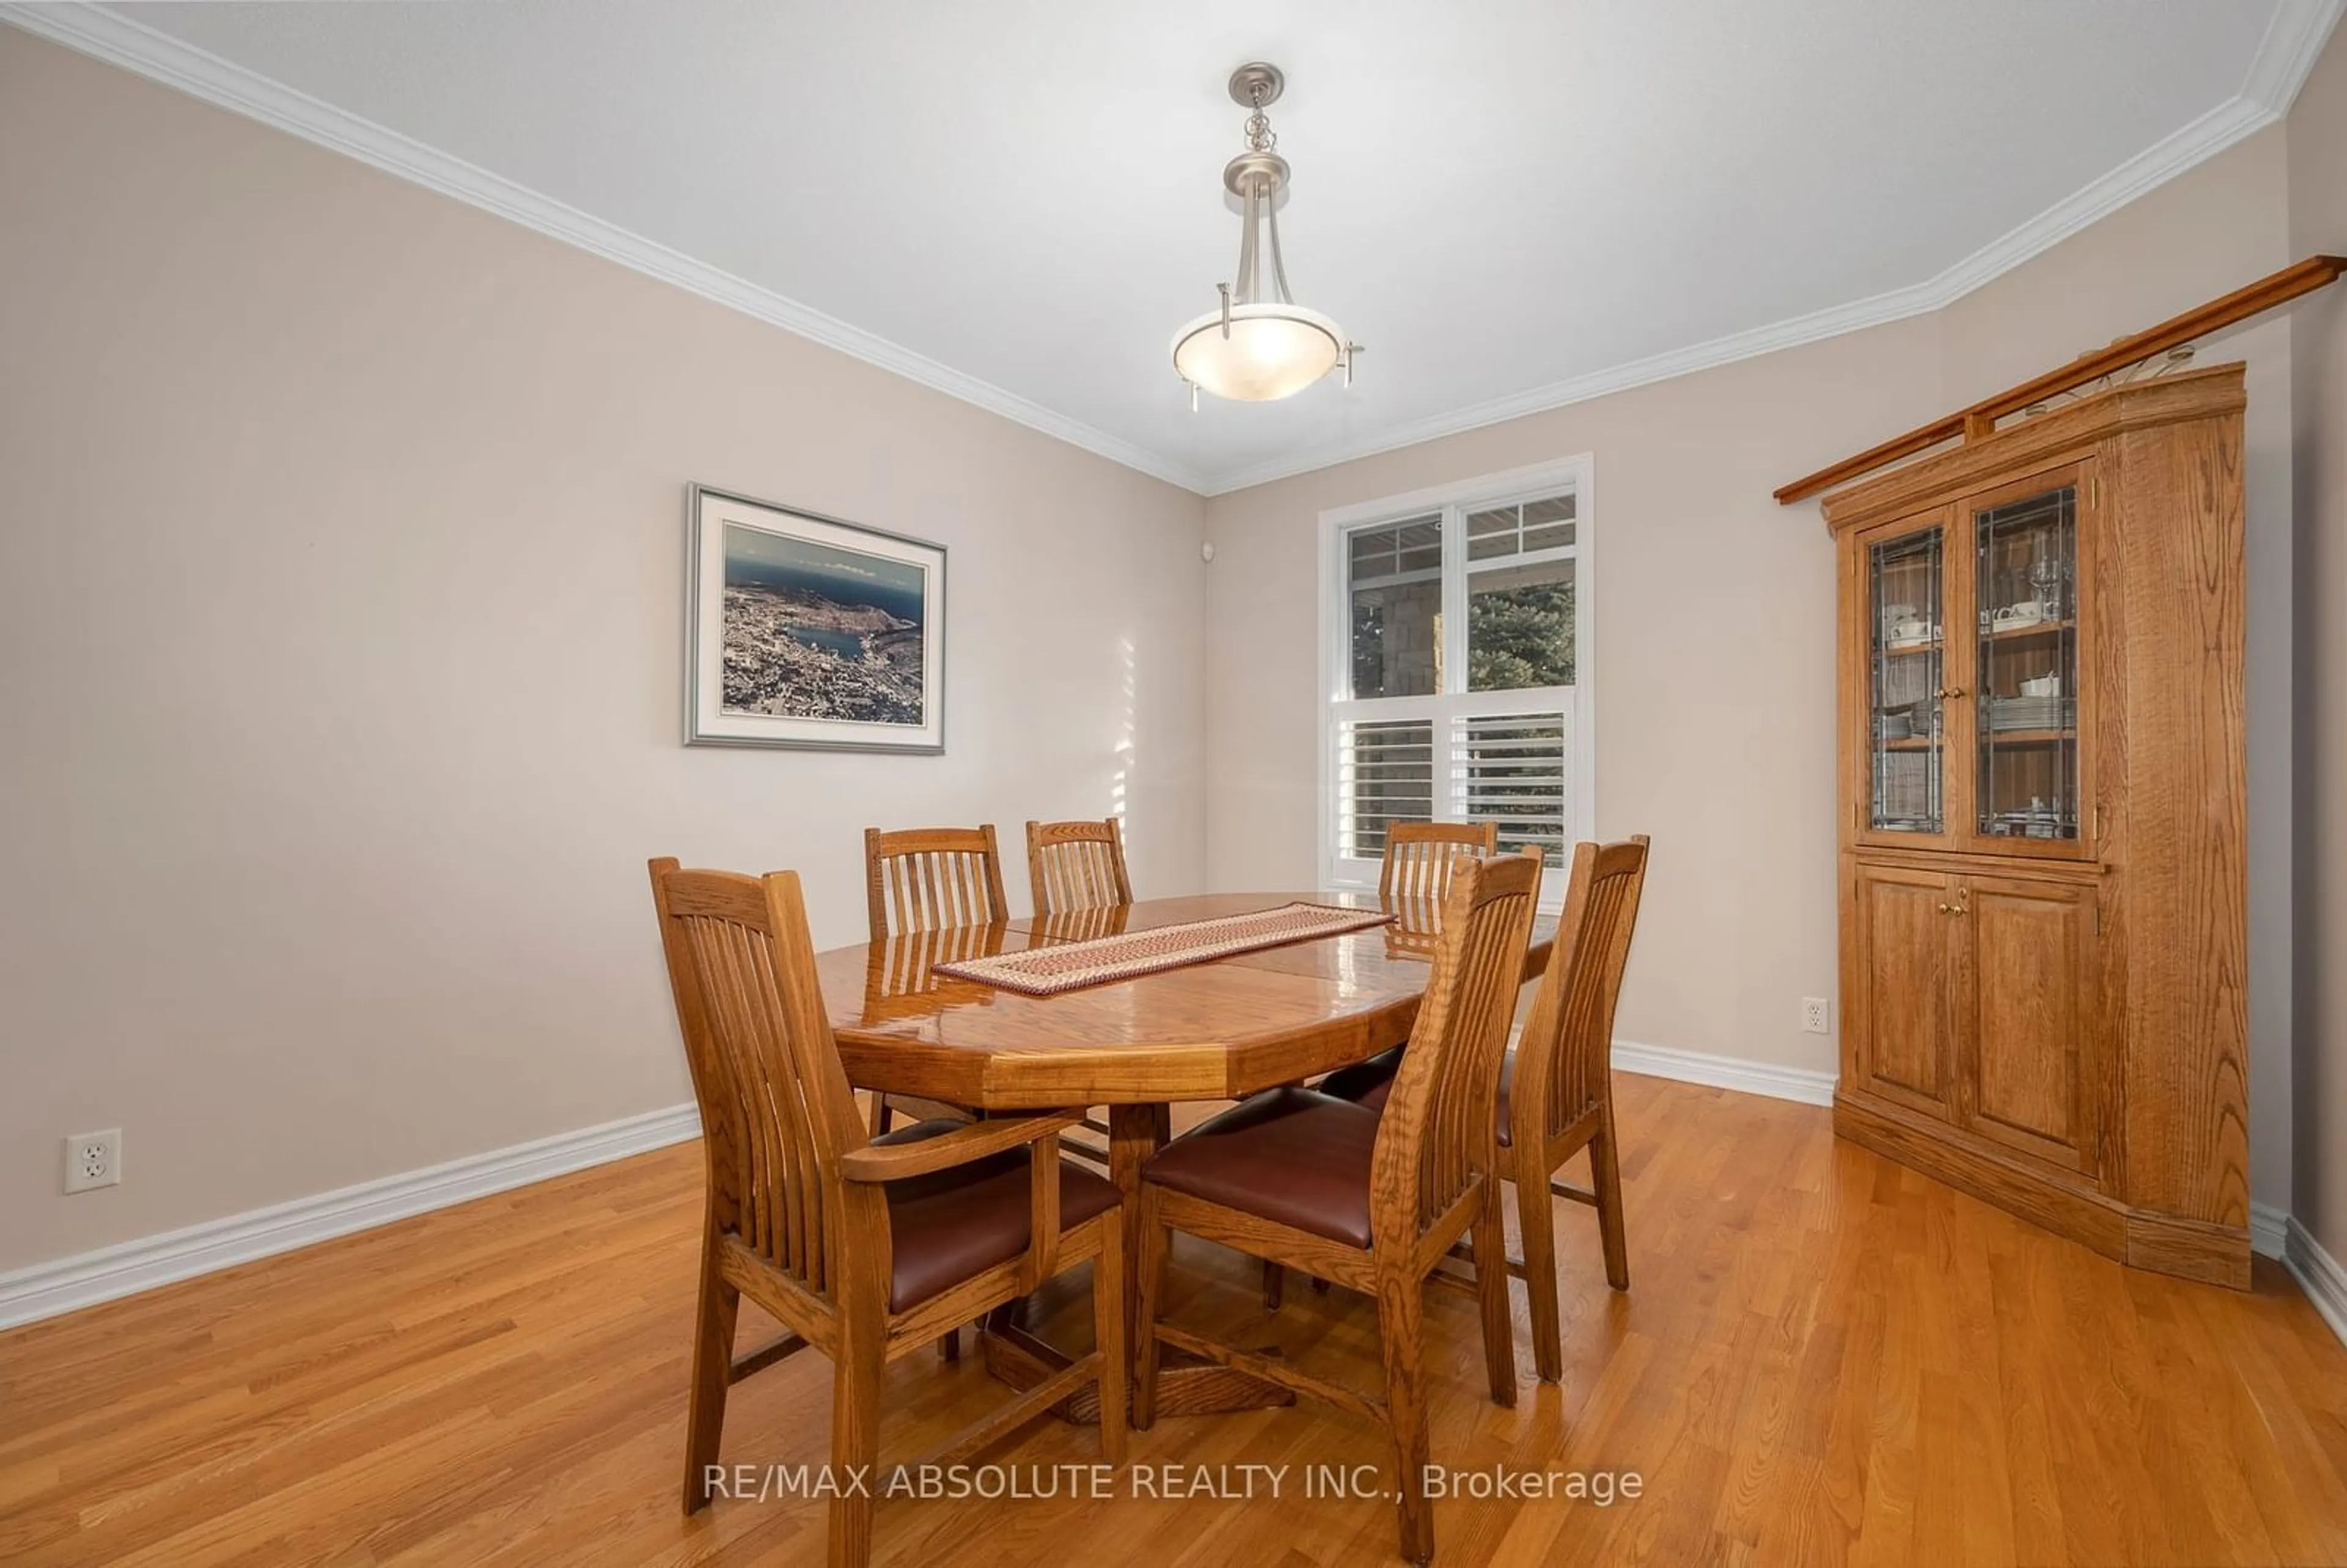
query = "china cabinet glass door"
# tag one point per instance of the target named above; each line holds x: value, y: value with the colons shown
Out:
x: 2026, y: 765
x: 1906, y: 603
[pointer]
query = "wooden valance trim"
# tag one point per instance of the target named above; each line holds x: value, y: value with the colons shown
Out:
x: 2061, y: 434
x: 1981, y: 418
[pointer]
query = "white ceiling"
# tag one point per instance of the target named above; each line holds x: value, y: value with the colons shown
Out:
x: 1511, y: 203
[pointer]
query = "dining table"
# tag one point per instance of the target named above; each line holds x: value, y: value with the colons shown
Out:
x: 1219, y: 1030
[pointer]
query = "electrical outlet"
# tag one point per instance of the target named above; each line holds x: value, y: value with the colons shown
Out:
x: 1815, y: 1013
x: 93, y: 1160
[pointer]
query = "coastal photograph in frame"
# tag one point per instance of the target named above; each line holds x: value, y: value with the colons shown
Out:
x: 804, y: 631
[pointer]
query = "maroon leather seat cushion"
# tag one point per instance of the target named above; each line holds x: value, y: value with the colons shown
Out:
x: 951, y: 1224
x: 1366, y: 1083
x: 1291, y: 1155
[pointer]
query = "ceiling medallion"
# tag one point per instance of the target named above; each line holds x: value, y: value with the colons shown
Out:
x: 1259, y: 345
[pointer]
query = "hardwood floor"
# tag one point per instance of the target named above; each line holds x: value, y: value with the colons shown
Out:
x: 1824, y: 1358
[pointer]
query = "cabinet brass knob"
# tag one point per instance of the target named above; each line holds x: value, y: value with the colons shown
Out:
x: 1949, y: 693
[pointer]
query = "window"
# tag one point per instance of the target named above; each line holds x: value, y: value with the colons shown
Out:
x: 1457, y: 646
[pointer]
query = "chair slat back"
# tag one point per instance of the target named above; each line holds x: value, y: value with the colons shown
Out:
x: 1438, y: 1131
x: 1416, y: 870
x: 923, y: 878
x: 776, y: 1110
x: 1076, y: 865
x: 1563, y: 1060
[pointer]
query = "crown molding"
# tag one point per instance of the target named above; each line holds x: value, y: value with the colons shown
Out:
x: 134, y: 47
x: 2206, y: 137
x: 1751, y: 343
x: 2286, y: 56
x: 2293, y: 40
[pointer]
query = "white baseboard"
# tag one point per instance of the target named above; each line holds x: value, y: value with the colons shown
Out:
x: 62, y: 1284
x: 85, y: 1279
x: 2269, y: 1230
x: 1809, y: 1085
x: 2319, y: 1274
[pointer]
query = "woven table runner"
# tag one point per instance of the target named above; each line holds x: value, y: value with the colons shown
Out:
x: 1069, y: 966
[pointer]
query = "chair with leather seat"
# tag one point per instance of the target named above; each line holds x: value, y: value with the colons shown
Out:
x: 1556, y: 1087
x: 1413, y: 879
x: 1371, y: 1201
x: 865, y: 1248
x: 925, y: 879
x: 1075, y: 865
x: 1415, y: 869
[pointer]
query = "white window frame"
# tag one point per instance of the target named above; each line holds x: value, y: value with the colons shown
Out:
x: 1338, y: 705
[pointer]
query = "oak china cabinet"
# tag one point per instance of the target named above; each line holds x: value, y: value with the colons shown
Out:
x: 2042, y: 919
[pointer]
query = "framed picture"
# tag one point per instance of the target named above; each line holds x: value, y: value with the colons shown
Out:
x: 803, y: 631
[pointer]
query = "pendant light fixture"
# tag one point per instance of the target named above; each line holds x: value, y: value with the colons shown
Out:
x: 1260, y: 344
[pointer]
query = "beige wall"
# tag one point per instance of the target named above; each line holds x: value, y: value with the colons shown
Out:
x: 2318, y: 211
x: 1714, y: 618
x: 340, y: 542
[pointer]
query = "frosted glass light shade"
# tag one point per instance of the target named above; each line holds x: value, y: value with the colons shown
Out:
x: 1274, y: 351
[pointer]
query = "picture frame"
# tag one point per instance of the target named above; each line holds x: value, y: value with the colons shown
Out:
x: 810, y: 632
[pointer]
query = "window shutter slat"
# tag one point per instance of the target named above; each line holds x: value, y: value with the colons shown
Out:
x: 1385, y: 774
x: 1512, y: 769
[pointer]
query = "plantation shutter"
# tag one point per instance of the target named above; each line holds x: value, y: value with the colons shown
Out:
x: 1458, y: 643
x: 1481, y: 761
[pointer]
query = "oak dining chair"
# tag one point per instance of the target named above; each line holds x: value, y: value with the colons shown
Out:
x: 1416, y: 869
x: 1413, y: 878
x: 920, y: 878
x: 926, y: 879
x: 1556, y: 1087
x: 1077, y: 865
x: 863, y: 1248
x: 1077, y: 872
x: 1374, y: 1201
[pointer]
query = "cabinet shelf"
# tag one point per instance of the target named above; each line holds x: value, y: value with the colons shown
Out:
x: 1911, y: 744
x: 2028, y: 737
x: 2044, y: 629
x: 2011, y: 636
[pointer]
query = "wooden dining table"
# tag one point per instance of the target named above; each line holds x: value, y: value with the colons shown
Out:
x: 1221, y: 1029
